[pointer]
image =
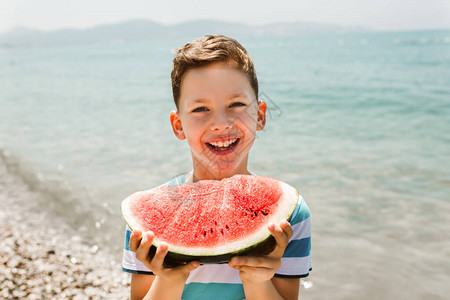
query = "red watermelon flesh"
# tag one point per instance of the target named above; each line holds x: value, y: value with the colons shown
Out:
x: 211, y: 217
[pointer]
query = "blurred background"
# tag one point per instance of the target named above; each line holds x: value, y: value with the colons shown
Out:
x: 358, y: 97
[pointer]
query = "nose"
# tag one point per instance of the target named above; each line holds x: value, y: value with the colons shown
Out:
x: 221, y: 121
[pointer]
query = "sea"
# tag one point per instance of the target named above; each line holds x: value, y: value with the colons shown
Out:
x: 359, y: 123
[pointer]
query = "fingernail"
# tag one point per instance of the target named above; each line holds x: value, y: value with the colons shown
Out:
x: 164, y: 247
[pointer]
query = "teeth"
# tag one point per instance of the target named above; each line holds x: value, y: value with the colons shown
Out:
x: 223, y: 144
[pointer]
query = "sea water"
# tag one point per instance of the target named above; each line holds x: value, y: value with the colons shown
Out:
x: 359, y: 123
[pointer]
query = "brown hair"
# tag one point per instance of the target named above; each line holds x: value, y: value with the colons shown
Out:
x: 207, y: 50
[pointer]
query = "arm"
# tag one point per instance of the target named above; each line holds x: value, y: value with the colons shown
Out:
x: 257, y: 272
x: 288, y: 288
x: 274, y: 289
x: 167, y: 283
x: 140, y: 285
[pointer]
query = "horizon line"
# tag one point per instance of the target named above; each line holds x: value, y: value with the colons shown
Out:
x: 169, y: 24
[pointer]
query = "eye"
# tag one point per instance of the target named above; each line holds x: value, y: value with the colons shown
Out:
x: 200, y: 109
x: 237, y: 104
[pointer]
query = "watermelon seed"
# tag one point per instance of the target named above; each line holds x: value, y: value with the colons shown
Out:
x: 264, y: 212
x: 253, y: 213
x: 212, y: 230
x: 221, y: 231
x: 204, y: 233
x: 227, y: 227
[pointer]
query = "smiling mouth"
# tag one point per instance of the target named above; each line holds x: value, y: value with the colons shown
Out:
x: 223, y: 147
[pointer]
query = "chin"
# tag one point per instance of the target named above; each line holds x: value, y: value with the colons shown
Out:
x: 225, y: 167
x: 217, y: 166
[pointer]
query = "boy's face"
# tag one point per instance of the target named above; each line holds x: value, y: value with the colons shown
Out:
x: 219, y: 115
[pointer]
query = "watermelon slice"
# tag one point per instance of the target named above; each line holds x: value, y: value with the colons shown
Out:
x: 211, y: 221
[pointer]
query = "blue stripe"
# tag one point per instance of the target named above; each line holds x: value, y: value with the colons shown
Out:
x: 301, y: 213
x: 208, y: 291
x: 127, y: 240
x: 136, y: 272
x: 298, y: 248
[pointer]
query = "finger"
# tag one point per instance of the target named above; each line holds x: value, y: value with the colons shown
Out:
x: 135, y: 240
x: 144, y: 246
x: 189, y: 266
x: 287, y: 228
x: 255, y: 262
x: 160, y: 254
x: 256, y: 271
x: 281, y: 237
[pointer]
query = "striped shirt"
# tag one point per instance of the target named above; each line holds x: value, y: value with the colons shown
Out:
x: 211, y: 280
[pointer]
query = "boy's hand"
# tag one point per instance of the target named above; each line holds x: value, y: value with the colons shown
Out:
x: 262, y: 268
x: 142, y: 247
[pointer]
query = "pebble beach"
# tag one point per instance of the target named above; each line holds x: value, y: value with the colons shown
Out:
x: 41, y: 257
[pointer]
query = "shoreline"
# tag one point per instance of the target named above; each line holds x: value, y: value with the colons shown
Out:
x: 42, y: 257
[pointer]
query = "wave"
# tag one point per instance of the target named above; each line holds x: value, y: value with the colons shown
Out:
x: 58, y: 195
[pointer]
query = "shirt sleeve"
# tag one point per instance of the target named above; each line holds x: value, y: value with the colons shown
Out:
x: 296, y: 261
x: 130, y: 263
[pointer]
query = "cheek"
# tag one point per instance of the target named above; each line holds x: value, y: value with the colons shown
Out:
x: 193, y: 139
x: 193, y: 134
x: 248, y: 121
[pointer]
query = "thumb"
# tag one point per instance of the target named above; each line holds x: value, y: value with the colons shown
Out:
x: 190, y: 266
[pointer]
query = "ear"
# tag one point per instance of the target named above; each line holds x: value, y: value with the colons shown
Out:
x: 177, y: 127
x: 261, y: 122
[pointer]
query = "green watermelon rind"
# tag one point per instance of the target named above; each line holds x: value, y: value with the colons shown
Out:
x: 174, y: 259
x: 263, y: 242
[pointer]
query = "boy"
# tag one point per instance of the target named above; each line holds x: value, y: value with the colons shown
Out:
x: 215, y: 90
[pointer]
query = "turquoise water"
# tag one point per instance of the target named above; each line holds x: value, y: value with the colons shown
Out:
x: 359, y: 123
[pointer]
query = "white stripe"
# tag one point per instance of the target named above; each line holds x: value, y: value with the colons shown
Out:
x: 214, y: 273
x: 302, y: 230
x: 295, y: 265
x: 130, y: 262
